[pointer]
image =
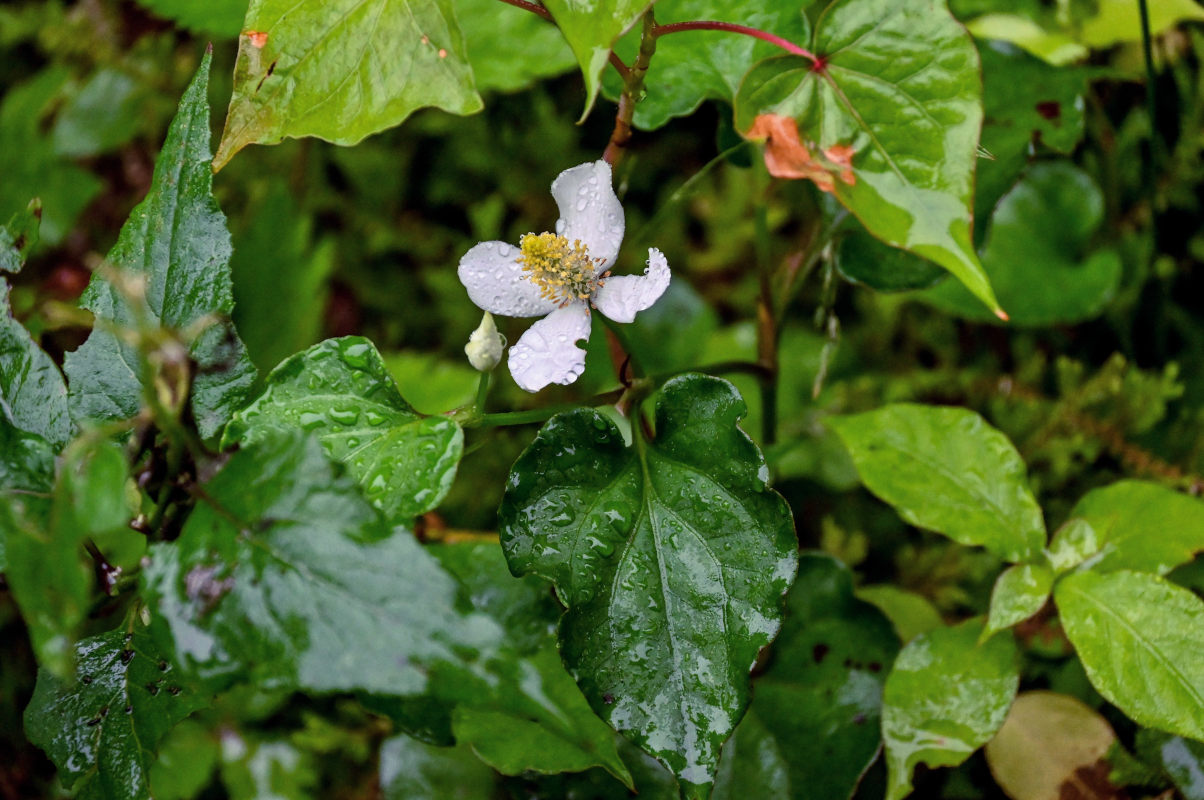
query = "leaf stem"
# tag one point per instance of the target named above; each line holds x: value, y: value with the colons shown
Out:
x: 756, y: 33
x: 633, y: 90
x: 478, y: 407
x: 1151, y: 104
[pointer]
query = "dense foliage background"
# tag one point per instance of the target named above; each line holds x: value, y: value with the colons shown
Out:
x: 869, y: 375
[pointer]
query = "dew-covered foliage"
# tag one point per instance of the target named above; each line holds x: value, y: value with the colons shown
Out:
x: 492, y: 399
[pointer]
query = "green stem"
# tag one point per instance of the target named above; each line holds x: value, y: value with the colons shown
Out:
x: 517, y: 417
x: 768, y: 334
x: 1151, y: 104
x: 478, y: 407
x: 633, y: 90
x: 625, y: 342
x: 756, y: 33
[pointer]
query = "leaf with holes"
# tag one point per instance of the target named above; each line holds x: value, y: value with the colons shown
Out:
x: 341, y: 70
x: 101, y: 727
x: 896, y: 81
x: 341, y: 391
x: 176, y: 243
x: 1139, y: 638
x: 672, y: 557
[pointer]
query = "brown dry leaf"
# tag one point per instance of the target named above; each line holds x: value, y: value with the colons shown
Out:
x: 1053, y: 747
x: 787, y: 156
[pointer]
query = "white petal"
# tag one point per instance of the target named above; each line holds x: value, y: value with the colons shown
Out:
x: 496, y: 283
x: 548, y: 351
x: 589, y: 209
x: 620, y: 298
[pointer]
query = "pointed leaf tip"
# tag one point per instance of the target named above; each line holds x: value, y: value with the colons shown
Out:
x: 1003, y: 315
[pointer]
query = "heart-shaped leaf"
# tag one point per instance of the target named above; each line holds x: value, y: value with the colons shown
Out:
x: 672, y: 556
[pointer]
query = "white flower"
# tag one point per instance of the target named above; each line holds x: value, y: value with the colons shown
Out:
x: 563, y: 275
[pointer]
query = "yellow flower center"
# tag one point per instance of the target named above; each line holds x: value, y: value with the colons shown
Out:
x: 563, y: 272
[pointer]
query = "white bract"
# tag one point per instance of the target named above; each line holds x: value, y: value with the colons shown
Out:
x: 560, y: 276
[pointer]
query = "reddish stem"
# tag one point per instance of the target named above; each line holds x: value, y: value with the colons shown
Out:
x: 765, y: 36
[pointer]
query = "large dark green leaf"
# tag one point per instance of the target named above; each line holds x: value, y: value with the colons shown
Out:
x: 592, y: 27
x: 490, y: 33
x: 867, y: 260
x: 32, y: 393
x: 1037, y: 255
x: 1137, y: 525
x: 285, y: 576
x: 48, y: 571
x: 816, y: 710
x: 897, y: 81
x: 946, y: 697
x: 26, y: 480
x: 1139, y: 638
x: 414, y: 770
x: 343, y: 69
x: 947, y: 470
x: 216, y: 17
x: 694, y: 66
x: 341, y: 391
x: 672, y: 557
x: 176, y: 242
x: 101, y: 727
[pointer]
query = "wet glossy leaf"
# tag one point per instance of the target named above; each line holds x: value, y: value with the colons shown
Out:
x: 32, y: 393
x: 1181, y: 759
x: 900, y: 86
x: 101, y: 728
x: 341, y: 391
x: 217, y: 17
x: 689, y: 68
x: 186, y: 761
x: 592, y: 27
x: 864, y: 259
x: 1046, y: 739
x: 1020, y: 591
x: 105, y: 113
x: 26, y: 480
x: 672, y: 557
x: 910, y: 613
x: 176, y: 241
x: 753, y: 764
x: 341, y: 70
x: 817, y: 708
x: 264, y: 769
x: 946, y: 696
x: 1139, y: 638
x: 50, y: 575
x: 29, y: 163
x: 277, y: 318
x: 1137, y: 525
x: 1036, y: 253
x: 286, y: 577
x: 545, y: 725
x: 414, y: 770
x: 947, y: 470
x: 1026, y: 102
x: 490, y: 32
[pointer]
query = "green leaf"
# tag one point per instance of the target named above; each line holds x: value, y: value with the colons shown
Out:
x: 1137, y: 525
x: 341, y: 391
x: 341, y: 70
x: 32, y: 393
x: 215, y: 17
x: 947, y: 470
x: 176, y: 241
x: 818, y: 705
x: 284, y: 576
x: 1037, y: 253
x: 1119, y: 20
x: 255, y: 768
x: 187, y: 759
x: 275, y: 317
x: 29, y: 163
x: 689, y: 68
x: 1139, y: 638
x: 1072, y: 544
x: 946, y: 696
x: 413, y: 770
x: 1026, y: 102
x: 491, y: 31
x: 106, y: 112
x: 910, y: 613
x: 592, y: 27
x: 101, y: 728
x: 49, y: 574
x: 753, y: 764
x: 546, y: 725
x: 672, y: 557
x: 26, y: 480
x: 547, y: 728
x: 1020, y: 591
x: 863, y: 259
x: 1047, y: 740
x: 899, y: 84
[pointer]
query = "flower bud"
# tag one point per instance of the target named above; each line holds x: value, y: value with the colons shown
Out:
x: 485, y: 345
